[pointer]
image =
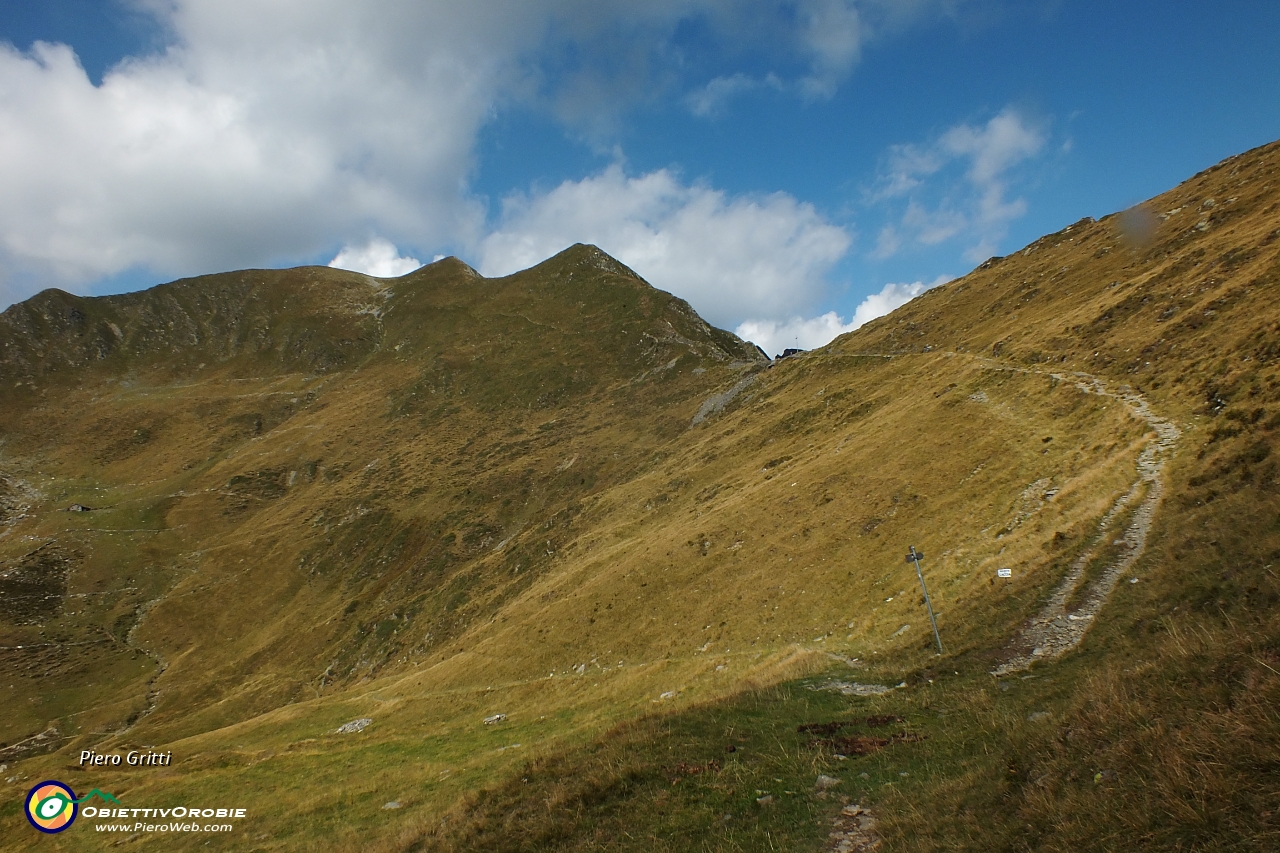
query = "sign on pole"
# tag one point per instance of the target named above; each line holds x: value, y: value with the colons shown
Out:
x: 914, y: 556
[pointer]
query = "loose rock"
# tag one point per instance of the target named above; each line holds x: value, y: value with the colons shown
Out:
x: 354, y: 726
x: 851, y: 688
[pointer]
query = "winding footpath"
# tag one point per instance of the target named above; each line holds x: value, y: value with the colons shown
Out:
x: 1057, y: 629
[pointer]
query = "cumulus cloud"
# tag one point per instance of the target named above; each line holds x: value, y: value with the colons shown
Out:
x: 730, y: 257
x: 379, y: 258
x: 776, y: 336
x: 253, y: 138
x: 261, y: 134
x: 891, y: 297
x: 941, y: 205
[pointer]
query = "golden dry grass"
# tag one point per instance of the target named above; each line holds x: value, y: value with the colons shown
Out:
x: 320, y: 497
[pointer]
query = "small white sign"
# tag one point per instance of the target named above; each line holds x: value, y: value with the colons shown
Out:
x: 1004, y: 573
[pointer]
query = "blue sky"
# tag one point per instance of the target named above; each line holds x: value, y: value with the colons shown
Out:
x: 791, y: 168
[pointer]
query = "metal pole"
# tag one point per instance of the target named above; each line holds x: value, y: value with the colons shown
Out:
x: 915, y: 557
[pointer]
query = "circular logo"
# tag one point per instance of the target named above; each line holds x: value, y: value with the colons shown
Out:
x: 51, y: 806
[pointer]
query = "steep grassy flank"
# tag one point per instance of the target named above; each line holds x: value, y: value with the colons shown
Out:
x: 1160, y: 732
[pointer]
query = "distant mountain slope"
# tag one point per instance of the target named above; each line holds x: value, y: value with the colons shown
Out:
x: 384, y: 436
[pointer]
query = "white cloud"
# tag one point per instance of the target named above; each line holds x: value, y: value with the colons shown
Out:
x: 940, y: 205
x: 1004, y: 141
x: 263, y: 133
x: 378, y: 258
x: 931, y: 227
x: 710, y: 100
x: 834, y: 32
x: 907, y: 166
x: 255, y: 137
x: 773, y: 336
x: 888, y: 241
x: 891, y: 297
x: 730, y: 257
x: 826, y: 36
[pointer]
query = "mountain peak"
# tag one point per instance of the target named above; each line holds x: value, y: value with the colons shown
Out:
x: 451, y: 265
x: 585, y: 256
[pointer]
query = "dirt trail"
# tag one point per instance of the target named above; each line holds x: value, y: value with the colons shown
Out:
x: 853, y: 831
x: 1056, y: 630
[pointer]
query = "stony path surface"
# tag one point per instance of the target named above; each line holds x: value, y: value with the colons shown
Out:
x: 1054, y: 630
x: 853, y: 831
x: 1058, y: 629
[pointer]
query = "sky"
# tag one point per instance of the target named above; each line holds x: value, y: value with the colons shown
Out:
x: 791, y: 168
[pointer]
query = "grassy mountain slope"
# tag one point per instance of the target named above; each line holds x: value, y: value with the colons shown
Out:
x: 1159, y: 731
x: 561, y: 497
x: 375, y: 485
